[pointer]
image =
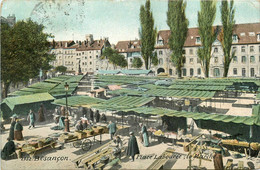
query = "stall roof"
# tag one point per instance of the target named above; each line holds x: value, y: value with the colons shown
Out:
x: 203, y: 95
x: 253, y: 120
x: 124, y: 102
x: 33, y: 98
x: 126, y: 92
x: 135, y: 72
x: 78, y: 101
x: 198, y: 87
x: 107, y: 72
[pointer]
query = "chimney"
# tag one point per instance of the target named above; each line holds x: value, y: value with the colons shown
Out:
x: 66, y: 44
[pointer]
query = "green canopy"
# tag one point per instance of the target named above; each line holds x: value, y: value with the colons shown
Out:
x: 34, y: 98
x: 124, y: 102
x: 78, y: 101
x: 180, y: 93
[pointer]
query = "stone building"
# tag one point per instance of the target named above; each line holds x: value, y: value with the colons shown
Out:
x: 246, y: 45
x: 85, y: 55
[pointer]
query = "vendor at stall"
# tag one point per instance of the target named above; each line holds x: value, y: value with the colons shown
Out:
x: 8, y: 150
x: 84, y: 123
x: 79, y: 126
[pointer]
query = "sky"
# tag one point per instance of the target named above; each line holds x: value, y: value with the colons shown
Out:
x: 116, y: 19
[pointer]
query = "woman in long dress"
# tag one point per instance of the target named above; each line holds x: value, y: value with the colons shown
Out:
x: 145, y: 136
x: 11, y: 132
x: 18, y: 128
x: 41, y: 114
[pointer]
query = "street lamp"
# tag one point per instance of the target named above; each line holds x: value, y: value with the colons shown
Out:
x: 66, y: 121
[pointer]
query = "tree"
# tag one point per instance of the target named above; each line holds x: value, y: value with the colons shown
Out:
x: 178, y: 23
x: 137, y: 62
x: 61, y: 69
x: 114, y: 57
x: 207, y: 33
x: 25, y: 50
x: 147, y: 34
x: 226, y: 34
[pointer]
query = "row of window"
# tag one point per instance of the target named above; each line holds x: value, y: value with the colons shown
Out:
x: 184, y: 71
x: 216, y: 72
x: 243, y: 71
x: 243, y: 49
x: 244, y: 59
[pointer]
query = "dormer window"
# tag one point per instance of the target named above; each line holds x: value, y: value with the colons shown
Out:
x: 235, y: 38
x: 198, y: 40
x: 160, y: 42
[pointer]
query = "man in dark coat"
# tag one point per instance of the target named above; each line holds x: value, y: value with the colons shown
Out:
x: 41, y: 114
x: 132, y: 149
x: 11, y: 132
x: 91, y: 115
x: 218, y: 161
x: 18, y: 128
x: 97, y: 115
x: 8, y: 150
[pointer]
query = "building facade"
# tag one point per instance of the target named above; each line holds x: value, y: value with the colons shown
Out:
x: 84, y: 56
x: 246, y: 47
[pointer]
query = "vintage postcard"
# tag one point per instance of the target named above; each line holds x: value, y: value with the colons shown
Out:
x: 130, y: 84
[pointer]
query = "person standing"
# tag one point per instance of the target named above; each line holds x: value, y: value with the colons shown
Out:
x: 218, y: 161
x: 18, y: 128
x: 91, y: 115
x: 11, y: 132
x: 132, y: 148
x: 62, y: 111
x: 31, y: 119
x: 8, y: 149
x: 112, y: 129
x: 41, y: 114
x: 103, y: 118
x: 145, y: 135
x: 97, y: 115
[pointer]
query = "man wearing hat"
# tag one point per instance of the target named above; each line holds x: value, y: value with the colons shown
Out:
x: 132, y: 148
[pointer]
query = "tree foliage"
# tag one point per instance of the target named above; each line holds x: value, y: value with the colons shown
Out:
x: 226, y: 34
x: 61, y: 69
x: 208, y: 33
x: 137, y: 62
x: 178, y: 23
x: 114, y: 57
x: 25, y: 50
x: 147, y: 34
